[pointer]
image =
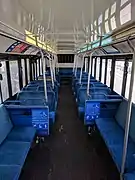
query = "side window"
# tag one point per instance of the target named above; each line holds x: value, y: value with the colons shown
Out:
x: 4, y: 84
x: 98, y: 68
x: 108, y: 72
x: 28, y: 70
x: 128, y: 82
x: 119, y: 69
x: 23, y: 72
x: 14, y: 76
x: 103, y: 70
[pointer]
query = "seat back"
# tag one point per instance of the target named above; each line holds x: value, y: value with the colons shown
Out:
x: 121, y: 117
x: 5, y: 123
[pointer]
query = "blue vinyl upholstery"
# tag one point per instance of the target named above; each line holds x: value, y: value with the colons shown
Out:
x: 10, y: 172
x: 5, y: 124
x: 112, y: 131
x: 15, y: 142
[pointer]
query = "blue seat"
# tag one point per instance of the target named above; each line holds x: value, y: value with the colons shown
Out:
x: 25, y: 134
x: 15, y: 142
x: 112, y: 131
x: 10, y: 172
x: 129, y: 176
x: 13, y: 152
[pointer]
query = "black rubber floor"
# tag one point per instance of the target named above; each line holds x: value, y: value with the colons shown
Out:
x: 68, y: 154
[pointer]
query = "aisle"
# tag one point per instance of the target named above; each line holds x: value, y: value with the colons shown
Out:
x: 73, y: 156
x: 68, y: 154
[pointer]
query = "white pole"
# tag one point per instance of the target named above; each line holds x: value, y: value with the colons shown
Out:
x: 88, y: 85
x: 80, y: 81
x: 76, y: 66
x: 44, y: 76
x: 128, y: 117
x: 50, y: 63
x: 54, y: 66
x: 86, y: 60
x: 75, y: 58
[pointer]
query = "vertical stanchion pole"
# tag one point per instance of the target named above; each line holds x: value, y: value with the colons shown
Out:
x: 80, y: 80
x: 75, y: 57
x: 88, y: 84
x: 76, y: 67
x: 128, y: 117
x: 44, y: 76
x: 50, y: 63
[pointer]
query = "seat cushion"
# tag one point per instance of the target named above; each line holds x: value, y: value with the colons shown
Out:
x: 129, y: 176
x: 13, y: 153
x: 113, y: 136
x: 9, y: 172
x: 25, y: 134
x: 5, y: 123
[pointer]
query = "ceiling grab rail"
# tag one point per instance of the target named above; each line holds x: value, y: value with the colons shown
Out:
x: 51, y: 70
x: 88, y: 83
x: 129, y: 109
x: 80, y: 80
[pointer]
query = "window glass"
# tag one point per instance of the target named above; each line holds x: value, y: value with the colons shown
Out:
x: 103, y: 71
x: 23, y: 72
x: 100, y: 19
x: 37, y: 67
x: 14, y: 76
x: 125, y: 14
x: 128, y: 82
x: 108, y: 72
x: 123, y: 2
x: 113, y: 8
x: 95, y: 23
x: 119, y: 69
x: 28, y: 70
x: 106, y: 14
x: 113, y: 23
x: 91, y: 27
x: 99, y: 29
x: 41, y: 67
x: 107, y: 27
x: 4, y: 83
x: 93, y: 67
x: 97, y: 69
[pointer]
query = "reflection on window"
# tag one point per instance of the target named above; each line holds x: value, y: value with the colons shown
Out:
x: 93, y: 67
x: 128, y: 83
x: 113, y: 8
x: 119, y: 69
x: 103, y: 71
x: 125, y: 14
x: 23, y: 72
x: 100, y: 19
x: 37, y: 67
x: 108, y: 72
x: 92, y: 39
x: 97, y: 68
x: 14, y: 76
x: 4, y: 84
x: 95, y: 35
x: 123, y: 2
x: 107, y: 27
x: 99, y: 30
x: 91, y: 27
x: 41, y: 71
x: 28, y: 70
x: 113, y: 23
x: 106, y: 14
